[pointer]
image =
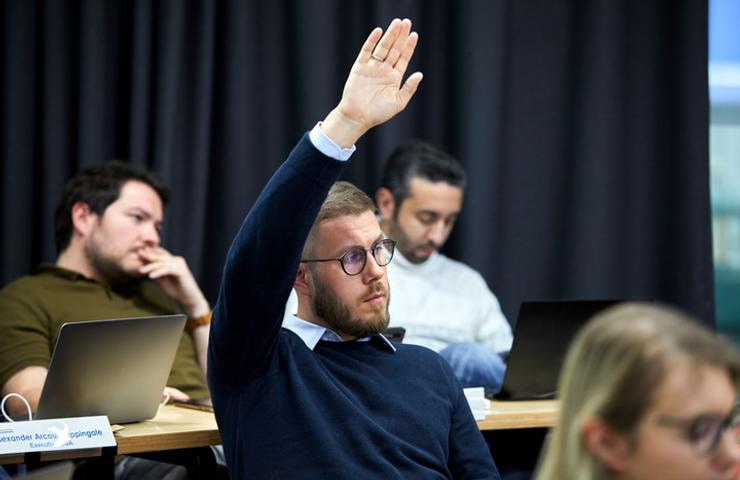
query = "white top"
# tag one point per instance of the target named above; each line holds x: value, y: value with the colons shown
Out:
x: 311, y: 333
x: 442, y: 301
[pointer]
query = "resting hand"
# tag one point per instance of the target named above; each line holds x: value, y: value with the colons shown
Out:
x: 174, y: 276
x: 373, y: 92
x: 172, y: 394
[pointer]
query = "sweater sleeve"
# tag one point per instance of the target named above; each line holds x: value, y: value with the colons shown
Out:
x: 261, y: 265
x: 469, y: 456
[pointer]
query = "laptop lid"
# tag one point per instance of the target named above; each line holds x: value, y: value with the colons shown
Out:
x: 542, y: 335
x: 113, y: 367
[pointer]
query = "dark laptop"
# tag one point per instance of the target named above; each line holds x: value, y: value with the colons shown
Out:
x: 114, y: 367
x: 542, y: 335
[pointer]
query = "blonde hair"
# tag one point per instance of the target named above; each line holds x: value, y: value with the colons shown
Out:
x: 343, y: 199
x: 612, y: 371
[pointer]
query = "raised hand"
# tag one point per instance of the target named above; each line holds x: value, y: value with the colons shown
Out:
x: 174, y: 276
x: 374, y: 91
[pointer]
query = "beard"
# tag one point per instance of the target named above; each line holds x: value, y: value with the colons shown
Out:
x: 337, y: 316
x: 107, y: 267
x: 405, y: 245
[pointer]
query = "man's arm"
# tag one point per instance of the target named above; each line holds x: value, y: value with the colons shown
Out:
x: 25, y: 342
x: 200, y: 340
x: 262, y: 261
x: 27, y: 382
x: 176, y: 280
x: 469, y: 454
x: 174, y: 276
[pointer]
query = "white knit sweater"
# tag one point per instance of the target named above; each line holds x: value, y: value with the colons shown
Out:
x: 442, y: 301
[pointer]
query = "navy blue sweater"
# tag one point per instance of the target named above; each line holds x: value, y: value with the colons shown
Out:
x: 343, y: 410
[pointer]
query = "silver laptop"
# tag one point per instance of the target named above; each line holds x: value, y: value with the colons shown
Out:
x: 114, y: 367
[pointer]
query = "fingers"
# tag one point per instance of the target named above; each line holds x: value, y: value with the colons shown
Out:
x: 386, y: 42
x: 160, y: 271
x: 407, y: 52
x: 367, y: 48
x: 399, y: 43
x: 161, y: 263
x: 175, y: 394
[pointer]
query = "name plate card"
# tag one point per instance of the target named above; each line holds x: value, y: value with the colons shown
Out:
x: 57, y: 434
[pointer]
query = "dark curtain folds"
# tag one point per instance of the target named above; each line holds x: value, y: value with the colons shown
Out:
x: 582, y: 124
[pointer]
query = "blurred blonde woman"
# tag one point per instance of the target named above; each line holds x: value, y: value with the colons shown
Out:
x: 646, y: 393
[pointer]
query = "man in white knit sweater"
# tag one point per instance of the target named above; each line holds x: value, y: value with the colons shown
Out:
x: 443, y: 304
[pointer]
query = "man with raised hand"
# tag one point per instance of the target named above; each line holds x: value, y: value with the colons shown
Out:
x: 326, y: 395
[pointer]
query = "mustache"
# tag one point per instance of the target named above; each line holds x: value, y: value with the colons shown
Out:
x: 377, y: 287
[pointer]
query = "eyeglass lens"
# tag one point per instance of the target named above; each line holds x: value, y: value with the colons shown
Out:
x: 705, y: 433
x: 353, y: 261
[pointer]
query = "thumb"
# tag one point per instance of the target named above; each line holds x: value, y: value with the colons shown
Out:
x: 409, y: 88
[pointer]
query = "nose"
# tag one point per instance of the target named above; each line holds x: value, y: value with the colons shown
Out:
x: 437, y: 233
x: 372, y: 271
x: 150, y: 235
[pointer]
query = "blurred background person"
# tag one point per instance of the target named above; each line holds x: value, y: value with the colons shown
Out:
x: 442, y: 303
x: 645, y: 393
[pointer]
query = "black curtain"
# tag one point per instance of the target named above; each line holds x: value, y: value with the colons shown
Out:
x: 583, y: 126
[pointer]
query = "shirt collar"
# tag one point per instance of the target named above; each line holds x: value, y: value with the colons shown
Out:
x: 52, y: 269
x: 312, y: 333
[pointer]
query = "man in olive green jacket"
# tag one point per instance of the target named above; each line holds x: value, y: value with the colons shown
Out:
x: 110, y: 265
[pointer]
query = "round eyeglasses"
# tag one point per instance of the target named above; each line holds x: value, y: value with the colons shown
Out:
x: 353, y: 260
x: 705, y: 432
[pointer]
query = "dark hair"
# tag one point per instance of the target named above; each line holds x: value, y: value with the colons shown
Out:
x: 418, y: 159
x: 98, y: 187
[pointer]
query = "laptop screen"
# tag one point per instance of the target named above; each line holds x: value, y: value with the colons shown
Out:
x: 113, y: 367
x: 543, y: 332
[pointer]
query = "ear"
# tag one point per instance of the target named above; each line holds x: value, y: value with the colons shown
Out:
x: 386, y: 203
x: 609, y: 446
x: 83, y: 218
x: 302, y: 284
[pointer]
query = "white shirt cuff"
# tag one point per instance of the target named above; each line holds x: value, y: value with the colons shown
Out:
x: 326, y: 146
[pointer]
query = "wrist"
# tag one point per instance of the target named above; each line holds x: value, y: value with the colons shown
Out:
x: 197, y: 308
x: 341, y: 129
x: 196, y: 322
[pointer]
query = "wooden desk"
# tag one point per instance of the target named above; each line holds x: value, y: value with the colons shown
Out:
x: 514, y: 414
x: 176, y: 427
x: 173, y: 428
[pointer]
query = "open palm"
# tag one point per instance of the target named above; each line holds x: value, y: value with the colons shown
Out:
x: 373, y: 92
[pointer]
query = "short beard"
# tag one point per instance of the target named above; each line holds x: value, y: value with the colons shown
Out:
x: 336, y: 315
x: 107, y: 268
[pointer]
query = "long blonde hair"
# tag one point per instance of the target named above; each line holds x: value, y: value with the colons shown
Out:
x: 612, y: 372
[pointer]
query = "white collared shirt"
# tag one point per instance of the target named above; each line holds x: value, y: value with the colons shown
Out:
x: 312, y: 333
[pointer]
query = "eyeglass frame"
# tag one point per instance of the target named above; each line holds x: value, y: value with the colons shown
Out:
x: 690, y: 424
x: 372, y: 248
